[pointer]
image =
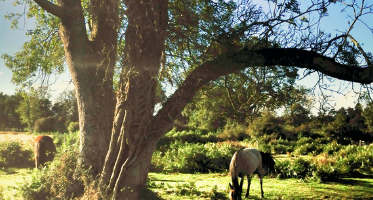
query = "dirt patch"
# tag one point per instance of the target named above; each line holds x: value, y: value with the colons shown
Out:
x: 23, y: 137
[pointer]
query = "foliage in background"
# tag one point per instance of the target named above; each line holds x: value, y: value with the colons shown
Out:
x: 34, y: 106
x: 314, y: 153
x: 40, y: 57
x: 60, y: 178
x: 10, y: 119
x: 73, y: 127
x: 194, y: 157
x: 34, y: 109
x: 46, y: 124
x: 330, y: 165
x: 16, y: 154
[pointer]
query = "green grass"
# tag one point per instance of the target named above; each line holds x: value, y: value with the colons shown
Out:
x: 215, y: 186
x: 9, y: 178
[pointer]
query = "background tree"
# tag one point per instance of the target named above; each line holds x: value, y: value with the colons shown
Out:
x: 33, y: 107
x: 3, y: 115
x: 65, y: 110
x: 241, y: 96
x: 209, y: 34
x: 368, y: 116
x: 10, y: 118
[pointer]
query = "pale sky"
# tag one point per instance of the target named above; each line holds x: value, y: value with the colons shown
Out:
x: 11, y: 41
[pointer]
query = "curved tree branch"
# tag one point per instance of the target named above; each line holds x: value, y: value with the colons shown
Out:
x: 242, y: 59
x: 52, y: 8
x: 229, y: 93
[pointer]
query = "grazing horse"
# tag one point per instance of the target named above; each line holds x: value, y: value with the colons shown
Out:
x: 44, y: 150
x: 244, y: 163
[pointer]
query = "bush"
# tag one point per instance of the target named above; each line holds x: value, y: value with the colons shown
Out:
x: 306, y: 149
x: 267, y: 124
x: 281, y: 148
x: 348, y: 161
x: 191, y: 158
x: 13, y: 154
x: 60, y: 179
x: 299, y: 168
x: 73, y: 127
x: 233, y: 131
x: 332, y: 147
x: 45, y: 125
x: 190, y: 136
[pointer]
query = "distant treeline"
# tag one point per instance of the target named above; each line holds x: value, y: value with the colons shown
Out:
x: 33, y: 112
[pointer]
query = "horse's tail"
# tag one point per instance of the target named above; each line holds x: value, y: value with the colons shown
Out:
x: 268, y: 162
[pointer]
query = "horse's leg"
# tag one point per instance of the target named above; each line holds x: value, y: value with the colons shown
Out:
x: 248, y: 185
x: 261, y: 185
x: 241, y: 183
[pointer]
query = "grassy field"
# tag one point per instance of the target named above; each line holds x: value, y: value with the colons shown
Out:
x: 9, y: 178
x: 210, y: 185
x: 215, y: 186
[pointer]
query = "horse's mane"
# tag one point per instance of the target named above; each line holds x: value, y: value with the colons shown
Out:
x: 268, y: 162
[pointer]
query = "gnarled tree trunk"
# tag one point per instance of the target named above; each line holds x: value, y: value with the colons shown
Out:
x: 131, y: 148
x: 91, y: 64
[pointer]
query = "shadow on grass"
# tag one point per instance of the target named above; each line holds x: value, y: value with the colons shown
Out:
x: 12, y: 170
x: 355, y: 182
x: 147, y: 194
x: 220, y: 196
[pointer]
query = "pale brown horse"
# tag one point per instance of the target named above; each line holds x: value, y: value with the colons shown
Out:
x: 244, y: 163
x: 44, y: 150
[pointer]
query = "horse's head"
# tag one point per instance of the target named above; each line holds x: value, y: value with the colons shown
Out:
x: 268, y: 163
x: 235, y: 193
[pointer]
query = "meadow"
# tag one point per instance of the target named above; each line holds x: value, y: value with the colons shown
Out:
x: 194, y: 165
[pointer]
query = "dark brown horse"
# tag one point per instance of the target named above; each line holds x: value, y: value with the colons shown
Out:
x: 244, y: 163
x: 44, y: 150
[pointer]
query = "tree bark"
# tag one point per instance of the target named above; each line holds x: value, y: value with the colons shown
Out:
x: 91, y: 65
x: 130, y: 152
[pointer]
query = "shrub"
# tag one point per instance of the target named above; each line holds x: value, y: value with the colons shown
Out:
x: 233, y: 131
x: 306, y: 149
x: 267, y: 124
x: 13, y: 154
x: 299, y: 168
x: 45, y: 125
x: 190, y: 136
x: 281, y: 148
x: 348, y: 161
x: 332, y: 147
x: 191, y: 158
x: 73, y: 127
x: 60, y: 180
x: 304, y: 140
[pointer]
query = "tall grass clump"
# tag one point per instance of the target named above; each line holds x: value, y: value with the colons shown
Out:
x: 189, y: 136
x: 345, y: 161
x: 73, y: 127
x: 233, y: 131
x: 191, y: 157
x: 15, y: 154
x: 61, y: 179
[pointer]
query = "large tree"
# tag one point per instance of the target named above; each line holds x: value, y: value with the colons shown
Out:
x: 154, y: 40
